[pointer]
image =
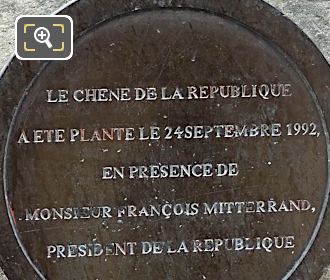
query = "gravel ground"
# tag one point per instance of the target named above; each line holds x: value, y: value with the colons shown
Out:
x: 313, y: 16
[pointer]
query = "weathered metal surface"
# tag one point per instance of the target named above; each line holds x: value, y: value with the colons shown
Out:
x: 213, y: 118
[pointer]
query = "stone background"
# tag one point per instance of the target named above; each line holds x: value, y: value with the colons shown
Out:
x: 313, y: 16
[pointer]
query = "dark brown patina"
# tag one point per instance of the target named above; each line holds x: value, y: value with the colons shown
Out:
x: 183, y: 140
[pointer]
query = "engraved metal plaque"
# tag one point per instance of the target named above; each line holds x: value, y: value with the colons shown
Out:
x: 183, y: 140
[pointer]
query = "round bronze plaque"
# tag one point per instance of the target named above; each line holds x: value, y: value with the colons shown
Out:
x: 183, y: 140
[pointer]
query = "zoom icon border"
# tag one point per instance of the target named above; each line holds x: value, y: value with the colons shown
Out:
x: 41, y: 37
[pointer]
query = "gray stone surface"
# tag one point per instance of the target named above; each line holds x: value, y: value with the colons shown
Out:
x: 313, y: 16
x: 9, y: 10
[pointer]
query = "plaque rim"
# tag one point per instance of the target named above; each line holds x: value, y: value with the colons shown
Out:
x: 278, y: 49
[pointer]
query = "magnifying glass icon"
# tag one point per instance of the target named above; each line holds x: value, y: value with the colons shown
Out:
x: 42, y: 35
